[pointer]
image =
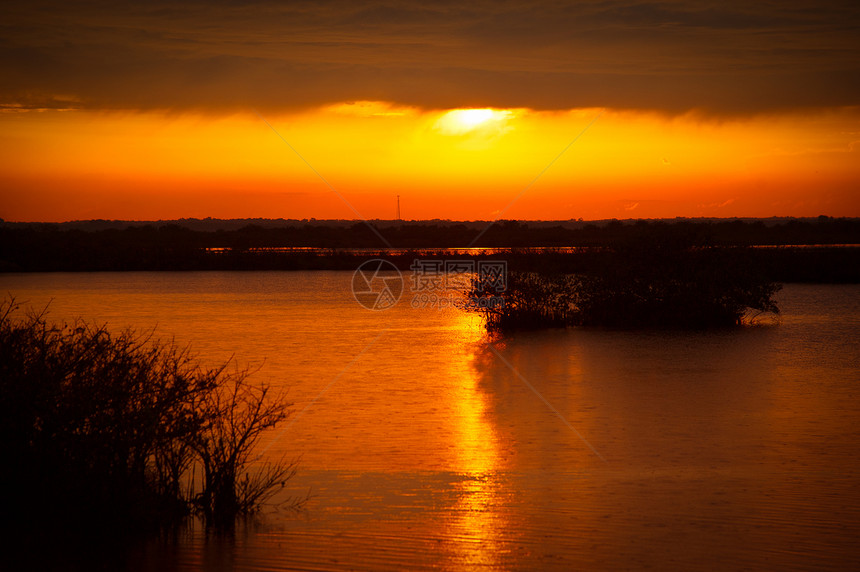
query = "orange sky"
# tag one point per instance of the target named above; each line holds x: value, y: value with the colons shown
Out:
x: 518, y: 110
x: 63, y: 165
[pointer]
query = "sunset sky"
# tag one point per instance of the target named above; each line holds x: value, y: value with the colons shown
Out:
x: 467, y: 110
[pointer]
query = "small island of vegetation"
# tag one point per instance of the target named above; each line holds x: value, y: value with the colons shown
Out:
x: 658, y: 282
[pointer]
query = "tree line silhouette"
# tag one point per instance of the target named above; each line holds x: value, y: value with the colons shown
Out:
x: 185, y: 246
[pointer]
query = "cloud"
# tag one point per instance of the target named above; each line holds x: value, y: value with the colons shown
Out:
x: 673, y: 56
x: 370, y: 109
x: 721, y: 205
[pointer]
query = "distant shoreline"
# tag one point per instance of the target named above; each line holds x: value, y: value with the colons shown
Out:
x: 819, y: 250
x: 785, y: 264
x: 210, y: 224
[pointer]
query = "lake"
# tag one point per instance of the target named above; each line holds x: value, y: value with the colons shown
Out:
x: 425, y: 444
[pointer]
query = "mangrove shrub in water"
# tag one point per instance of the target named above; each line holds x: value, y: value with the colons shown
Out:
x: 103, y: 429
x: 639, y: 286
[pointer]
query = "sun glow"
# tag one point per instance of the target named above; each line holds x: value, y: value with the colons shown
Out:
x: 473, y: 117
x: 460, y: 121
x: 455, y: 164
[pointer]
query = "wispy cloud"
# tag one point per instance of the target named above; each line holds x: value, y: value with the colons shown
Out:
x: 719, y: 205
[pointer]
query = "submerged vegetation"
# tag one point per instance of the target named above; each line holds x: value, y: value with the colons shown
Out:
x: 647, y: 284
x: 120, y: 431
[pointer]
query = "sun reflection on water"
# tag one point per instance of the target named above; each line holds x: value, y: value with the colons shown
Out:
x: 477, y: 521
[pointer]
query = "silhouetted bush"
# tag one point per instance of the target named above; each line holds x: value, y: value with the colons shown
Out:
x: 644, y: 284
x: 531, y: 300
x: 236, y: 414
x: 105, y: 430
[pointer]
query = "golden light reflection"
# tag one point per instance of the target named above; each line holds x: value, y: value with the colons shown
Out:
x: 478, y: 521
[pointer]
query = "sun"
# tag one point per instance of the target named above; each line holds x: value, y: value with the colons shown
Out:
x: 473, y: 117
x: 459, y: 121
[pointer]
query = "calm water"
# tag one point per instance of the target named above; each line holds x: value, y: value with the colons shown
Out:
x: 425, y: 447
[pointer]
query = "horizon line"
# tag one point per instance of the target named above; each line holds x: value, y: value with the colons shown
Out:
x: 419, y: 220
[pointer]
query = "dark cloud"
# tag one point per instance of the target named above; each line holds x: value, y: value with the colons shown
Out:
x: 670, y: 56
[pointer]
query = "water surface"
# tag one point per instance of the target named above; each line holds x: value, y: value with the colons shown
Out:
x: 425, y: 446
